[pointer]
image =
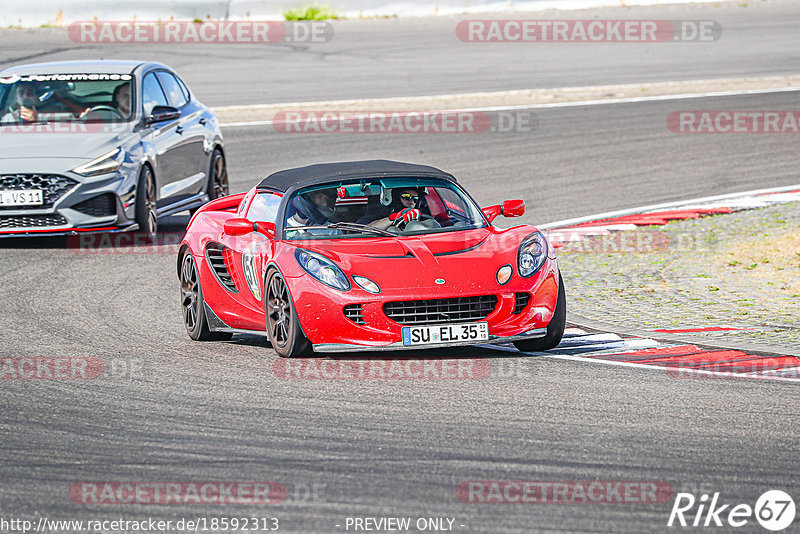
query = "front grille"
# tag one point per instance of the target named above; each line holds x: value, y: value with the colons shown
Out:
x: 31, y: 221
x: 521, y: 302
x: 355, y: 312
x: 99, y: 206
x: 440, y: 311
x: 53, y: 187
x: 215, y: 254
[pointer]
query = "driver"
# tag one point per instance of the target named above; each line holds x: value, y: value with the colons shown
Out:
x: 122, y: 99
x: 22, y: 104
x: 405, y: 203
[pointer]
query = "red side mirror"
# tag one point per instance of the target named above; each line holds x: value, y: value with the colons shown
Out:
x: 238, y: 226
x: 492, y: 212
x: 513, y: 208
x: 510, y: 208
x: 266, y: 228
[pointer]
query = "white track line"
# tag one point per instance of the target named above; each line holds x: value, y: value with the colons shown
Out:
x: 629, y: 100
x: 682, y: 372
x: 668, y: 205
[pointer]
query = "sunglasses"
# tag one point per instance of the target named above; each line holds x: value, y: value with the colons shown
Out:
x: 409, y: 196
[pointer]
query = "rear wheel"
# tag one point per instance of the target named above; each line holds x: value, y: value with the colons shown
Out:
x: 283, y: 326
x: 194, y: 315
x: 555, y: 330
x: 146, y: 203
x: 217, y: 186
x: 217, y: 176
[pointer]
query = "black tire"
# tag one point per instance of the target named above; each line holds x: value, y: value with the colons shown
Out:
x: 217, y: 176
x: 146, y: 203
x: 217, y: 185
x: 283, y: 326
x: 555, y: 330
x: 192, y: 304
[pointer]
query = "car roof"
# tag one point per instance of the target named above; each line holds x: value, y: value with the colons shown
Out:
x: 327, y: 172
x: 99, y: 66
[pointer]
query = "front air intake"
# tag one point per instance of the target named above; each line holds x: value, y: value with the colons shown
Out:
x: 440, y: 311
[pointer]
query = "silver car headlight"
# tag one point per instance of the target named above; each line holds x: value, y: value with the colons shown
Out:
x: 322, y: 269
x: 101, y: 165
x: 531, y: 254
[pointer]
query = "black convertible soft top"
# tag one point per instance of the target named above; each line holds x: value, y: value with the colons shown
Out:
x: 325, y: 172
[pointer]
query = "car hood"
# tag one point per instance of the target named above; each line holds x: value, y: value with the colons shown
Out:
x: 419, y: 261
x: 44, y: 143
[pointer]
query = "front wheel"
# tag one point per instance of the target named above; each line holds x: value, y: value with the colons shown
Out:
x: 555, y: 330
x: 145, y: 209
x: 283, y: 326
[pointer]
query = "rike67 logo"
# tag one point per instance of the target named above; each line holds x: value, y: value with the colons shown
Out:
x: 774, y: 510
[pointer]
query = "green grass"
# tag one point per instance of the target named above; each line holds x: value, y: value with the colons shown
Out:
x: 310, y: 13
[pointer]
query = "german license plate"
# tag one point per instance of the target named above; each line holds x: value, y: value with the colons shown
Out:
x: 446, y: 333
x: 21, y: 197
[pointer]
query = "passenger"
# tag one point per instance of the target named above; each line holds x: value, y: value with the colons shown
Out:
x: 311, y: 209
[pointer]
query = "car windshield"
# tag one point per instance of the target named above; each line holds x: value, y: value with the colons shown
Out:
x: 93, y: 98
x: 379, y: 207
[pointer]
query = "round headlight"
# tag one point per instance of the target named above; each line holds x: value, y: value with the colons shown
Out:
x: 531, y: 254
x: 322, y: 269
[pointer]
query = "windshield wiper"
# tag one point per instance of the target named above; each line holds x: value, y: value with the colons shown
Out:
x: 344, y: 226
x: 361, y: 227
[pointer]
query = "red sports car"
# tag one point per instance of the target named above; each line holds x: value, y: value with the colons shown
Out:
x: 367, y: 255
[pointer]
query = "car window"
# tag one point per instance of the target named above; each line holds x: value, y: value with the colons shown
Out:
x: 173, y: 90
x: 152, y: 94
x: 264, y: 208
x: 183, y: 87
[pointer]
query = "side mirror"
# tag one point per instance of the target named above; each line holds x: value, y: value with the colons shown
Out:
x: 509, y: 208
x: 238, y: 226
x: 266, y: 228
x: 513, y: 208
x: 163, y: 113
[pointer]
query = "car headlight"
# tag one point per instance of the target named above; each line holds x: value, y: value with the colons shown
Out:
x: 531, y: 254
x: 322, y: 269
x: 104, y: 164
x: 366, y: 284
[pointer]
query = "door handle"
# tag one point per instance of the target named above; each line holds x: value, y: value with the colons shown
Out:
x: 202, y: 121
x: 179, y: 130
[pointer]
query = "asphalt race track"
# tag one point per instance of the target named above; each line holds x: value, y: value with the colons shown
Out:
x: 170, y: 410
